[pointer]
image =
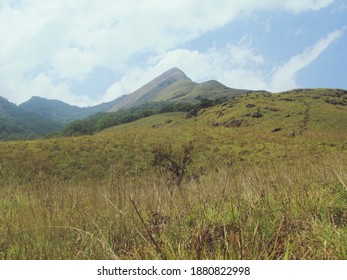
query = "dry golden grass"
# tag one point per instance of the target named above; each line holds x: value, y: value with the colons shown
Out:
x: 288, y: 210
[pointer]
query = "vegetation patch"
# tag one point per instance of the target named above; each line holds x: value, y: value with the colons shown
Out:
x: 233, y: 123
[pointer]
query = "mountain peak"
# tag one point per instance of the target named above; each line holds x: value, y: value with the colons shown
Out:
x: 150, y: 90
x: 175, y: 73
x: 41, y: 99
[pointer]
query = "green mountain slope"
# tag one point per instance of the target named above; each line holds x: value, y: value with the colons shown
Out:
x: 211, y: 90
x: 176, y: 91
x: 253, y: 127
x: 61, y: 112
x: 17, y: 123
x: 52, y: 109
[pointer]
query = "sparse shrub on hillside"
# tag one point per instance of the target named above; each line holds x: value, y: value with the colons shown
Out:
x: 233, y: 123
x: 257, y: 114
x: 175, y: 165
x: 205, y: 103
x: 192, y: 113
x: 249, y: 105
x: 277, y: 129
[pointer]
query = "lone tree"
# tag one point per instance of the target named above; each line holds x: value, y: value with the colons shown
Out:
x: 174, y: 165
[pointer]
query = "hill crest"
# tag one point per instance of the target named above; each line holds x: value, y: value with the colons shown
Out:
x: 175, y: 85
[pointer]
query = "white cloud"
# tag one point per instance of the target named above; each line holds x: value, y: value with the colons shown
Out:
x: 74, y: 63
x: 298, y: 6
x: 237, y: 66
x: 43, y: 85
x: 71, y: 38
x: 233, y: 65
x: 285, y: 76
x: 211, y: 64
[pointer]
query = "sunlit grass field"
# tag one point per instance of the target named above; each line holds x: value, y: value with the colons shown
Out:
x: 229, y: 182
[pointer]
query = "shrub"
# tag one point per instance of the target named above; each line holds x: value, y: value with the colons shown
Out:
x: 174, y: 165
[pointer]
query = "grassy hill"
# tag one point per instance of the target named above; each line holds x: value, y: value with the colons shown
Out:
x: 225, y: 182
x: 174, y: 85
x: 151, y: 90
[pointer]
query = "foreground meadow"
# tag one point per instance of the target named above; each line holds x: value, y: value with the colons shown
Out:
x: 283, y: 211
x: 172, y: 187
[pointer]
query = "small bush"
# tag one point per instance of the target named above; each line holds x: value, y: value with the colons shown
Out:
x: 174, y: 165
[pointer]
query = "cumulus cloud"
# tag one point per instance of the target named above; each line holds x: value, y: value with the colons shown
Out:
x: 64, y: 41
x: 44, y: 85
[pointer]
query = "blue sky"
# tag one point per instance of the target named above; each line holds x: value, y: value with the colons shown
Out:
x: 85, y: 52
